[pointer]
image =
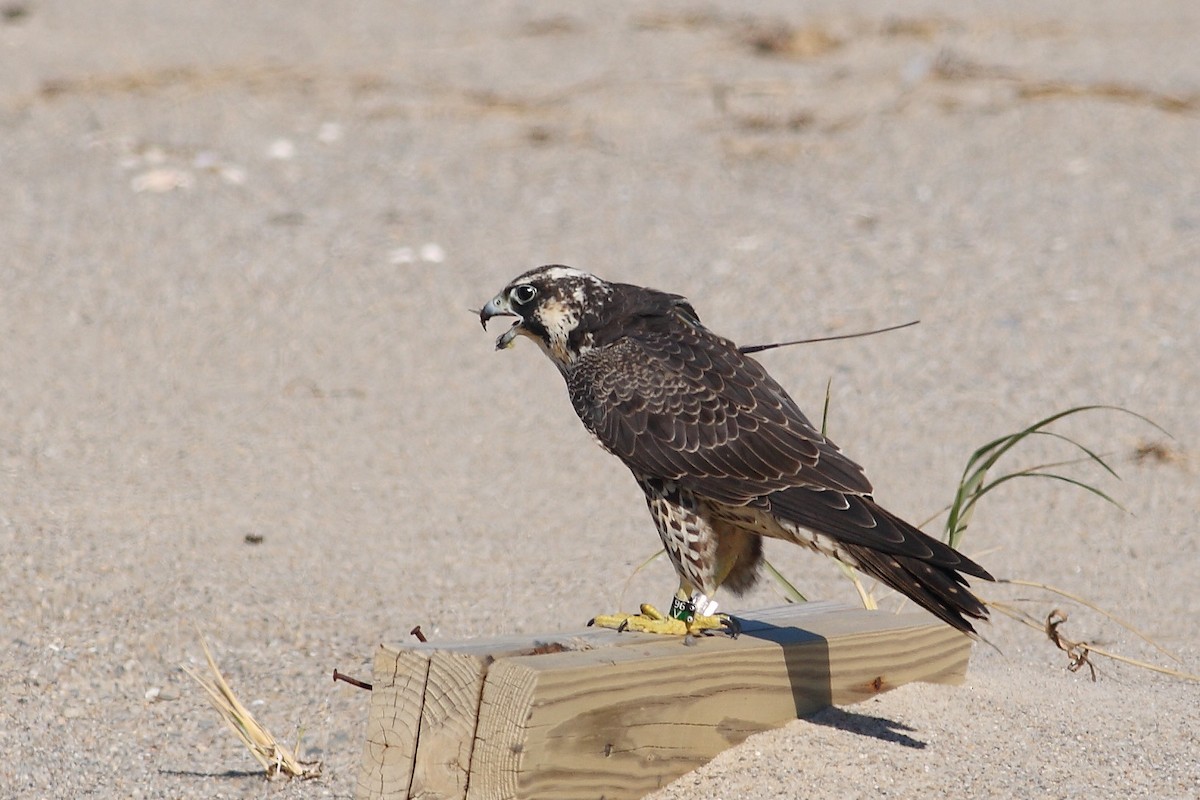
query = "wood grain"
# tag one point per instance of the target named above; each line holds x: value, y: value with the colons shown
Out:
x: 619, y: 715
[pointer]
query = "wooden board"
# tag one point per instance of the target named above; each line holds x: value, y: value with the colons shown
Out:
x: 598, y: 713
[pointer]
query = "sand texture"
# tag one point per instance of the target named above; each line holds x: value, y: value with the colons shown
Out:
x: 241, y: 390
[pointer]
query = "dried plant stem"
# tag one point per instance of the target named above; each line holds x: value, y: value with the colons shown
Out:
x: 275, y: 758
x: 867, y: 598
x: 1084, y: 602
x: 1080, y: 651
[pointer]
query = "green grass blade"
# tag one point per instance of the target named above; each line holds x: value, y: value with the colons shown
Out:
x: 825, y: 410
x: 789, y: 591
x: 974, y: 478
x: 1091, y: 454
x: 1037, y: 473
x: 991, y: 452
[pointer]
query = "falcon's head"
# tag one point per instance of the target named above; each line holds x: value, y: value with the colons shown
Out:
x: 568, y: 311
x: 555, y: 306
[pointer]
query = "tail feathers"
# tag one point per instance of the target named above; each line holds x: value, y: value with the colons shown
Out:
x: 888, y: 548
x: 859, y: 520
x: 942, y: 555
x: 939, y: 590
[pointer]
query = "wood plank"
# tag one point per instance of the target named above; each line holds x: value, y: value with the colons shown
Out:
x: 623, y: 722
x: 397, y: 699
x: 448, y: 719
x: 619, y: 715
x: 424, y: 709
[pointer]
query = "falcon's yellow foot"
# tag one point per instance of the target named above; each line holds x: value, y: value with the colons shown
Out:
x: 651, y: 620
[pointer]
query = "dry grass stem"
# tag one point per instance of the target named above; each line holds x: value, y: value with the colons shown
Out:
x: 275, y: 758
x: 1083, y: 602
x: 867, y: 598
x: 1080, y: 652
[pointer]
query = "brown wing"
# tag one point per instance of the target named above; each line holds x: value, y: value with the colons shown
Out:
x: 673, y: 400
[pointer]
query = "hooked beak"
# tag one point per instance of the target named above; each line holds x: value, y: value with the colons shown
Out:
x: 498, y: 306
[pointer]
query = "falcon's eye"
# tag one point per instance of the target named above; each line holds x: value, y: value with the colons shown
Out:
x: 523, y: 294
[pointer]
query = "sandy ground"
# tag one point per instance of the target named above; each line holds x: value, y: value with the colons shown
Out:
x: 238, y: 247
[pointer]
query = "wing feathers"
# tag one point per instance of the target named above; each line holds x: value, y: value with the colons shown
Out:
x: 860, y: 521
x: 687, y: 400
x: 676, y: 402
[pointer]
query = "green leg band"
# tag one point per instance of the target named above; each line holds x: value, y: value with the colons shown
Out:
x: 683, y: 610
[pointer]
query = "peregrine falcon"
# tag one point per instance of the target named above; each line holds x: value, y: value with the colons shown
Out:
x: 723, y: 454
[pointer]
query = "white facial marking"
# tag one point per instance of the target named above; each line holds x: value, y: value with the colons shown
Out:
x: 564, y: 296
x: 565, y: 273
x: 559, y: 320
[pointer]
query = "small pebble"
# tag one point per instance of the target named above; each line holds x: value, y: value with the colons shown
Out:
x: 158, y: 181
x: 433, y: 253
x: 281, y: 150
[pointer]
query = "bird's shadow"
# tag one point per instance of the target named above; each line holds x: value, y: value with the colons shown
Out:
x: 806, y: 656
x: 881, y: 728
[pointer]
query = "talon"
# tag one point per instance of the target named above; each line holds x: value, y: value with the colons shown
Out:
x: 650, y: 612
x: 707, y: 625
x: 649, y: 622
x: 682, y: 621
